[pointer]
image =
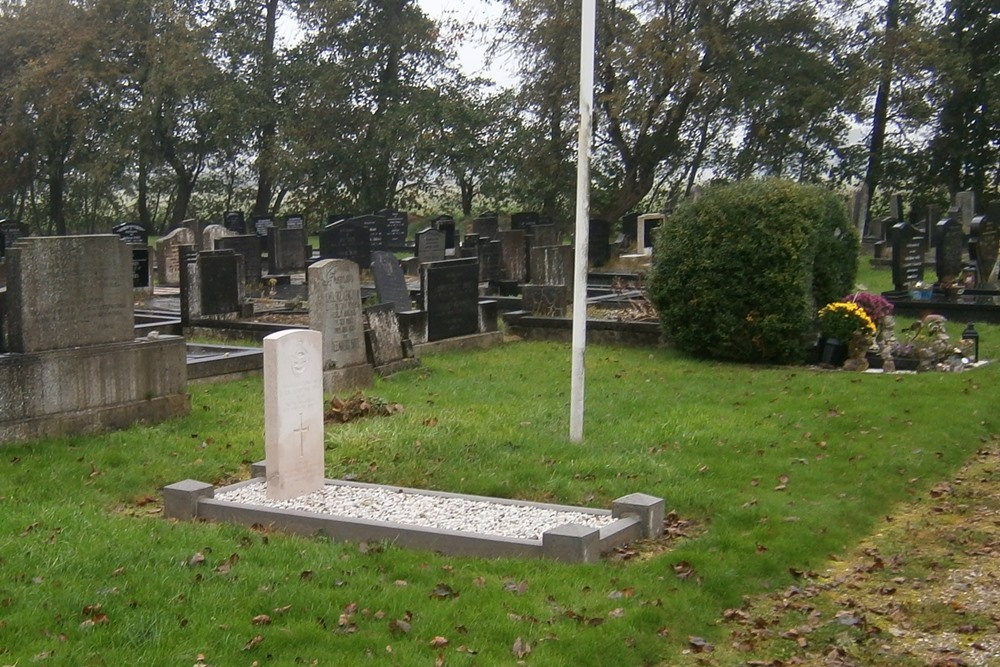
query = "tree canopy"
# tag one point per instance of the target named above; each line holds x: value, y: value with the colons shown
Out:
x: 159, y: 110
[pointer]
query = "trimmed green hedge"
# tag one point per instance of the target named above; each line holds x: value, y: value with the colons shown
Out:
x: 739, y: 272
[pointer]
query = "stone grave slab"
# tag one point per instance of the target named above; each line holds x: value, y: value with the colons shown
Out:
x: 346, y: 239
x: 248, y: 247
x: 514, y: 255
x: 286, y: 250
x: 234, y: 222
x: 907, y: 255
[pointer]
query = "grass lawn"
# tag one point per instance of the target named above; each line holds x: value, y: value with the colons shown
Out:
x: 770, y: 471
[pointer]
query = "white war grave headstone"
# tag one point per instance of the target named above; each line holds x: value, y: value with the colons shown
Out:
x: 293, y: 413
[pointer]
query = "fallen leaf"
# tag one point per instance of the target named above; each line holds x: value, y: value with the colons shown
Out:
x: 196, y: 559
x: 699, y: 645
x: 521, y: 648
x: 443, y: 592
x: 439, y: 642
x: 253, y: 643
x: 261, y: 619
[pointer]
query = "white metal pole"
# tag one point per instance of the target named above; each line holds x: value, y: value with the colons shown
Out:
x: 587, y: 29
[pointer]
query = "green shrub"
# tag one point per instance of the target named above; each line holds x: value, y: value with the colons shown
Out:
x: 739, y: 272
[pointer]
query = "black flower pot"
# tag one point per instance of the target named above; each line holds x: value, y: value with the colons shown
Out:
x: 833, y: 352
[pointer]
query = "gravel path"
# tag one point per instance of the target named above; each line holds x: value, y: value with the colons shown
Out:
x: 397, y: 506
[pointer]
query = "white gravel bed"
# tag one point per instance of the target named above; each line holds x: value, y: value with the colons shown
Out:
x: 398, y: 506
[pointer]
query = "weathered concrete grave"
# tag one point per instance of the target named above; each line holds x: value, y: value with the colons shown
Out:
x: 73, y: 363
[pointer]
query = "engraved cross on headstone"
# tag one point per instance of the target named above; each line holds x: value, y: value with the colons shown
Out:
x: 301, y: 430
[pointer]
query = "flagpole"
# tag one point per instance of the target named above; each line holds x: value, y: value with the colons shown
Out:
x: 582, y: 237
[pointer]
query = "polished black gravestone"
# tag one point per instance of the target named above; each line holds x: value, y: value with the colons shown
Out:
x: 346, y: 239
x: 907, y: 256
x: 451, y: 298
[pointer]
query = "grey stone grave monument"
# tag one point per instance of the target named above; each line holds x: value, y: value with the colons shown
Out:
x: 211, y: 234
x: 551, y: 287
x: 293, y: 413
x: 948, y: 255
x: 168, y: 271
x: 446, y: 224
x: 335, y: 311
x: 984, y: 246
x: 286, y: 251
x: 72, y: 362
x: 385, y: 341
x: 514, y: 255
x: 430, y: 245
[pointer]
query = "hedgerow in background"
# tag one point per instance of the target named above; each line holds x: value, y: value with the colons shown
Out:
x: 739, y: 273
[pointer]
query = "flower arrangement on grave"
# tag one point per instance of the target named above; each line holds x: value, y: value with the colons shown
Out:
x: 931, y: 346
x: 848, y: 323
x: 843, y: 320
x: 875, y: 305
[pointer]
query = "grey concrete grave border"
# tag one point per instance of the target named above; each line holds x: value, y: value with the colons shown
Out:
x: 637, y: 516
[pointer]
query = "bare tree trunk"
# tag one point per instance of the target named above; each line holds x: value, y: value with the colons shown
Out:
x: 873, y: 173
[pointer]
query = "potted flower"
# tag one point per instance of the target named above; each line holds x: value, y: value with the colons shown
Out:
x: 843, y: 324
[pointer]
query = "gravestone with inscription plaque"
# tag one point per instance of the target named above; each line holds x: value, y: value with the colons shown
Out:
x: 293, y: 413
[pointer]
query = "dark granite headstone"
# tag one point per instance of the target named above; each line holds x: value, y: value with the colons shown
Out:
x: 470, y: 246
x: 896, y: 207
x: 430, y: 245
x: 524, y: 220
x: 599, y: 242
x: 983, y: 247
x: 451, y: 298
x: 248, y: 247
x: 295, y: 221
x: 286, y: 250
x: 234, y: 222
x: 11, y: 231
x: 132, y: 233
x: 346, y: 239
x: 950, y: 245
x: 337, y: 217
x: 929, y: 226
x: 491, y: 254
x: 376, y: 226
x: 446, y: 224
x: 486, y: 225
x: 650, y: 225
x: 262, y: 223
x: 907, y: 255
x: 140, y: 266
x: 630, y: 228
x: 390, y: 283
x: 221, y: 280
x: 397, y: 224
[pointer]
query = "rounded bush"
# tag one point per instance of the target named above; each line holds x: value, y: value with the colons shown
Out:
x: 738, y: 273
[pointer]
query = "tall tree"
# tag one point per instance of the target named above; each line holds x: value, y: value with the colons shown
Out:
x: 966, y: 145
